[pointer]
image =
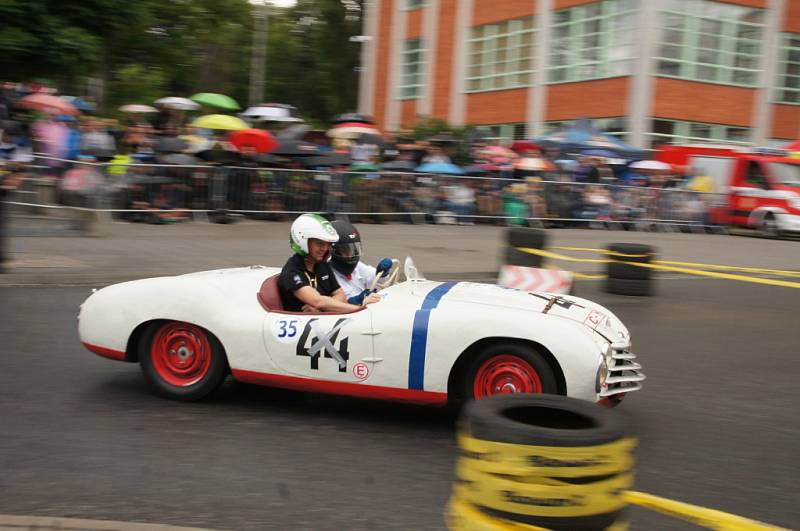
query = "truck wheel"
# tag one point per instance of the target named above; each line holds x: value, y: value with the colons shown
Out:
x: 770, y: 226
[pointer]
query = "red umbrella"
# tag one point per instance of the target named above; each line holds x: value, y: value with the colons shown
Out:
x: 48, y: 103
x: 257, y: 139
x: 524, y: 146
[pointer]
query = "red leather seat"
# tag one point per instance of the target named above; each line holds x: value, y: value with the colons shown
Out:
x: 270, y: 296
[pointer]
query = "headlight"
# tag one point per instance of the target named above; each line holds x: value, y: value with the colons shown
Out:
x: 602, y: 376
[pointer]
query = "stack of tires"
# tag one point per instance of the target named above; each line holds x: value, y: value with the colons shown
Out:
x: 524, y: 237
x: 626, y: 278
x: 541, y: 461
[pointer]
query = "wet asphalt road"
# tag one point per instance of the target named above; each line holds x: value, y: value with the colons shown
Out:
x: 83, y: 437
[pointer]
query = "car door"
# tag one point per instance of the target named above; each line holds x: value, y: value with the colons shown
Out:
x: 322, y: 346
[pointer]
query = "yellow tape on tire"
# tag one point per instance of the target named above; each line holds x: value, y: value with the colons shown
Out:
x: 539, y: 480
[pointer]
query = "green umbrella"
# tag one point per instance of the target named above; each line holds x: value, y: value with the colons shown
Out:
x: 220, y: 101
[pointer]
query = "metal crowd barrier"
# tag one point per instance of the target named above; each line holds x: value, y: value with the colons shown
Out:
x: 143, y: 192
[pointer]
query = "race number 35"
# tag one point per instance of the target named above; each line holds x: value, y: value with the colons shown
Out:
x: 285, y: 330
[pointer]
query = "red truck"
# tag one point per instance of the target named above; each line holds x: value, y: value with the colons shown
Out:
x: 754, y: 187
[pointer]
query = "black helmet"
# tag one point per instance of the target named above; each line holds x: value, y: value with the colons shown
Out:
x: 347, y: 251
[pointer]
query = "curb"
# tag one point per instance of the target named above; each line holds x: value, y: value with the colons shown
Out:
x: 10, y: 522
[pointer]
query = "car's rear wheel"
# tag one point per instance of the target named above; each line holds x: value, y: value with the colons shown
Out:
x: 506, y: 368
x: 182, y: 361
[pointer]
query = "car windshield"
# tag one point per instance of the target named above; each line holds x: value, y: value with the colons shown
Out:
x: 787, y: 174
x: 410, y: 270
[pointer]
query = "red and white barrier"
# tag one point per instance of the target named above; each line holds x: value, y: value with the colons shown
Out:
x: 533, y: 279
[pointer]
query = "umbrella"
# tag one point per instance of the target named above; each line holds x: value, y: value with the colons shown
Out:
x: 220, y: 121
x: 352, y: 117
x: 179, y: 159
x: 178, y: 103
x: 171, y: 144
x: 260, y: 141
x: 327, y: 160
x: 605, y: 153
x: 48, y: 104
x: 523, y: 146
x: 350, y: 130
x: 497, y: 153
x: 271, y: 113
x: 219, y: 101
x: 296, y: 148
x: 583, y: 136
x: 400, y: 165
x: 269, y: 159
x: 137, y: 108
x: 533, y: 164
x: 650, y: 165
x: 440, y: 167
x: 80, y: 104
x: 219, y: 155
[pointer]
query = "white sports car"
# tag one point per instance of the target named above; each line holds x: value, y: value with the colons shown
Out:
x: 425, y: 342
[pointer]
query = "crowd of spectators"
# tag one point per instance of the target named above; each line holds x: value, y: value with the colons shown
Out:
x: 160, y: 169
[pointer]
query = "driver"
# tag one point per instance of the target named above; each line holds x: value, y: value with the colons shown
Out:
x: 307, y: 282
x: 354, y: 276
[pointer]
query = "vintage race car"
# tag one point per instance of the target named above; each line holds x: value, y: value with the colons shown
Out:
x: 424, y: 342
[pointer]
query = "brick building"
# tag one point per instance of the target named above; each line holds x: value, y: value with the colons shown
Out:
x: 648, y: 70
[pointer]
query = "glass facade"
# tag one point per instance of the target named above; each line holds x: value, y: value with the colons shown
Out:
x: 613, y: 126
x: 592, y: 41
x: 412, y: 69
x: 500, y: 55
x: 710, y: 41
x: 677, y: 132
x: 504, y: 132
x: 788, y: 83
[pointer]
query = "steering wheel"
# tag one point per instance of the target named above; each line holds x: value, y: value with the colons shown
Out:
x: 387, y: 279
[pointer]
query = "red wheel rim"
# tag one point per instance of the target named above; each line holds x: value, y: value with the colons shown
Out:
x: 506, y: 374
x: 181, y: 354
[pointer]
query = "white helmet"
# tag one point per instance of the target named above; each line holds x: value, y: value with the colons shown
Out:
x: 309, y: 226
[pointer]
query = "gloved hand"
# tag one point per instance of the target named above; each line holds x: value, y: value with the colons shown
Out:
x: 358, y: 299
x: 384, y: 266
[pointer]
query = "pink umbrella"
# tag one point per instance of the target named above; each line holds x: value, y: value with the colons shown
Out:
x: 49, y: 104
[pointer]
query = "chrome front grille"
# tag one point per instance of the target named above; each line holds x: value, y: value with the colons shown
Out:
x: 624, y: 374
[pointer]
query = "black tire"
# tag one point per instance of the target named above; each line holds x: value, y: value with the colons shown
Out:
x: 629, y: 272
x: 625, y: 286
x: 208, y: 379
x: 526, y: 237
x: 521, y: 258
x: 637, y: 252
x: 524, y: 353
x: 770, y: 227
x: 546, y: 420
x: 543, y: 420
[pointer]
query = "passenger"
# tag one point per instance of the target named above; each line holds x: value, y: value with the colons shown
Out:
x: 354, y: 276
x: 307, y: 282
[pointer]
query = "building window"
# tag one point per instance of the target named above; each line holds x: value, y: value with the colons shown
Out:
x: 611, y: 126
x: 414, y: 4
x: 681, y: 132
x: 501, y: 55
x: 788, y: 84
x: 710, y: 41
x: 412, y: 69
x: 592, y: 41
x: 504, y: 132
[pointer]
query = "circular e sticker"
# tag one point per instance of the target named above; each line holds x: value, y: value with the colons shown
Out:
x: 361, y: 371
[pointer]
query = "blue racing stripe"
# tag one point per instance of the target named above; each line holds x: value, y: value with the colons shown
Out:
x: 419, y: 335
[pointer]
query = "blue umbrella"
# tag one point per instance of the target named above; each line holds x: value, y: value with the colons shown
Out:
x: 441, y: 168
x: 600, y: 153
x: 583, y: 137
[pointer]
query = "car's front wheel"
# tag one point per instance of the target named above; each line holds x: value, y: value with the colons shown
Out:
x: 506, y: 368
x: 181, y: 361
